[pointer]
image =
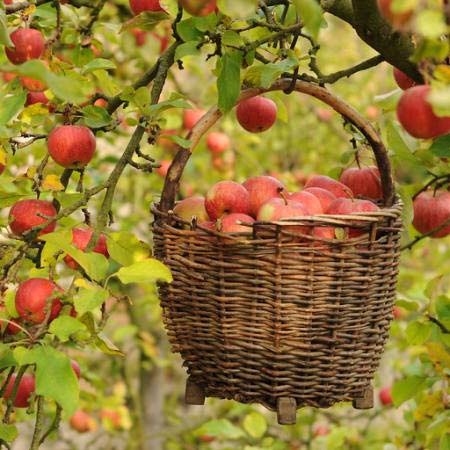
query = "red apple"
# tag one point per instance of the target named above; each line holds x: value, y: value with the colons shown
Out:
x: 324, y: 232
x: 192, y: 207
x: 191, y: 117
x: 206, y: 438
x: 278, y: 208
x: 164, y: 167
x: 209, y: 225
x: 32, y: 85
x: 28, y: 44
x: 218, y: 142
x: 24, y: 391
x: 80, y: 239
x: 364, y: 182
x: 76, y: 368
x: 398, y: 313
x: 385, y: 396
x: 101, y: 103
x: 326, y: 198
x: 431, y: 212
x: 199, y: 7
x: 82, y: 422
x: 227, y: 197
x: 309, y: 201
x: 321, y: 430
x: 257, y: 114
x: 32, y: 300
x: 335, y: 187
x: 26, y: 214
x: 8, y: 76
x: 416, y: 115
x: 346, y: 206
x: 229, y: 223
x: 36, y: 97
x: 403, y: 81
x: 139, y: 6
x: 261, y: 190
x: 396, y: 19
x: 71, y: 146
x: 140, y: 36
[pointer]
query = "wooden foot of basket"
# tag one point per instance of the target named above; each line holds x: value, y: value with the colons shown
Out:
x: 287, y: 411
x: 366, y: 401
x: 195, y: 394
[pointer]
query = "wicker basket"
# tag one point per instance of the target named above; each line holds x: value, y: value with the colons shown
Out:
x: 268, y: 318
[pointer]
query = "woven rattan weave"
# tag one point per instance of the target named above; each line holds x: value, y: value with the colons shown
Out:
x: 274, y: 317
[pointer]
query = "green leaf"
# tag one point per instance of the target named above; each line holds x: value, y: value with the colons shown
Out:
x: 147, y: 271
x: 186, y: 49
x: 11, y: 105
x: 444, y: 443
x: 64, y: 327
x: 229, y: 80
x: 96, y: 116
x: 264, y: 75
x: 220, y: 428
x: 72, y: 87
x: 396, y: 143
x: 188, y: 32
x: 4, y: 35
x: 146, y: 21
x: 55, y: 378
x: 89, y: 299
x: 311, y: 14
x: 418, y: 332
x: 106, y: 346
x: 255, y: 425
x: 442, y: 307
x: 8, y: 433
x: 184, y: 143
x: 407, y: 388
x: 431, y: 23
x: 441, y: 147
x: 98, y: 64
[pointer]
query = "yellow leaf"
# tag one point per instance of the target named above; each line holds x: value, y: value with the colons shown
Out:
x: 442, y: 73
x: 429, y: 406
x: 2, y: 157
x: 52, y: 183
x: 82, y: 283
x: 31, y: 172
x: 439, y: 355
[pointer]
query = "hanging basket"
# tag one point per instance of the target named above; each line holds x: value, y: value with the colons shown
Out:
x: 265, y: 317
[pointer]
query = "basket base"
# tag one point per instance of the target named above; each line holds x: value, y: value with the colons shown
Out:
x: 366, y: 401
x: 195, y: 394
x: 286, y: 407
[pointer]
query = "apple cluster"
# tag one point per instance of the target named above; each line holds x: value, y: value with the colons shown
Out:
x: 231, y: 207
x: 194, y: 7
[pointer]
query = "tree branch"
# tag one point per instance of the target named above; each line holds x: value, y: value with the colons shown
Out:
x: 424, y: 236
x: 333, y: 77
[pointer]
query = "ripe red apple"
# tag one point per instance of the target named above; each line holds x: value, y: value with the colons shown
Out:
x: 32, y: 300
x: 364, y: 182
x: 112, y: 417
x: 385, y: 396
x: 278, y: 208
x: 36, y: 97
x: 335, y: 187
x: 309, y: 201
x: 80, y: 239
x: 28, y: 44
x: 139, y: 6
x: 396, y: 19
x: 416, y: 114
x: 257, y: 114
x: 326, y: 198
x: 71, y: 146
x: 101, y: 103
x: 32, y: 85
x: 403, y: 81
x: 24, y: 391
x: 82, y: 422
x: 321, y: 430
x: 346, y: 206
x: 8, y: 76
x: 218, y: 142
x: 199, y: 7
x: 261, y: 190
x: 76, y: 368
x: 192, y: 207
x: 191, y: 117
x: 164, y: 167
x: 431, y: 212
x: 228, y: 224
x: 227, y: 197
x: 140, y: 36
x: 324, y: 232
x: 209, y: 225
x: 23, y: 216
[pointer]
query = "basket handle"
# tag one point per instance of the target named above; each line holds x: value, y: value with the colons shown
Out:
x: 176, y: 169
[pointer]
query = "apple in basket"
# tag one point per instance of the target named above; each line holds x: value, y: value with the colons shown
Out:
x: 363, y: 182
x: 232, y: 223
x: 227, y: 197
x: 347, y: 206
x: 309, y: 201
x: 262, y: 189
x: 192, y: 207
x: 338, y: 189
x: 326, y: 198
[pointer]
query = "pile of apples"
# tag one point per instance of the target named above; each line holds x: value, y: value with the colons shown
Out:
x: 230, y: 207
